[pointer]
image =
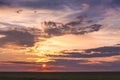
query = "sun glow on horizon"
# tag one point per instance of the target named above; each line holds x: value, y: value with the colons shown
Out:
x: 44, y: 65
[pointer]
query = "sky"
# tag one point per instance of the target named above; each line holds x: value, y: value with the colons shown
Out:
x: 59, y: 35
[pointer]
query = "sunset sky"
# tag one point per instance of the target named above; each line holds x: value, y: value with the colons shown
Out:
x: 59, y: 35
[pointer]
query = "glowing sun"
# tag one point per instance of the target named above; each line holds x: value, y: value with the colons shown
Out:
x: 44, y: 65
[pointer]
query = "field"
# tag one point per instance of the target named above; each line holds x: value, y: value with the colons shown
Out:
x: 60, y: 76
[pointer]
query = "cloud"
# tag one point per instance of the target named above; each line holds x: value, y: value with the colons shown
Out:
x: 116, y: 3
x: 19, y: 62
x: 96, y: 52
x: 77, y: 27
x: 17, y: 37
x: 86, y: 64
x: 41, y: 4
x: 59, y: 65
x: 64, y: 10
x: 76, y: 31
x: 4, y: 3
x: 45, y: 4
x: 55, y: 4
x: 22, y: 35
x: 118, y: 44
x: 10, y: 25
x: 59, y: 4
x: 97, y: 59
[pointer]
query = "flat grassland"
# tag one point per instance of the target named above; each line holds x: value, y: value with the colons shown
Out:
x: 60, y: 76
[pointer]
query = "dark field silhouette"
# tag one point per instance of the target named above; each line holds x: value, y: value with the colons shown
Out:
x: 60, y: 76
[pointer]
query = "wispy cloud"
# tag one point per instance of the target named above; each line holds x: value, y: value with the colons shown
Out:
x: 10, y: 24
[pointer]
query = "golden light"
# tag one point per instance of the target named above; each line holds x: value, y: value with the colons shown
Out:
x: 43, y: 50
x: 44, y: 65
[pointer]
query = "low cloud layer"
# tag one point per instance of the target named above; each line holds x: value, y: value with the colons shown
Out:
x: 96, y: 52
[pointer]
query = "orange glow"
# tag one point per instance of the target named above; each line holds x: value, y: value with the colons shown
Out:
x: 44, y: 65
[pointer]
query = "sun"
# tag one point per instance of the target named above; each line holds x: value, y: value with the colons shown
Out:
x: 44, y: 65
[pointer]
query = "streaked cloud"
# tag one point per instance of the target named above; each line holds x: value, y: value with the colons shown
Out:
x: 97, y: 52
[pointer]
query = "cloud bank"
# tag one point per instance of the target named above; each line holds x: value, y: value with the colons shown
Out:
x: 28, y: 36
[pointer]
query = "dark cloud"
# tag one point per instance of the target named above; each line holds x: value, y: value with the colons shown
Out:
x: 54, y: 4
x: 68, y: 30
x: 19, y: 34
x: 17, y: 37
x: 72, y: 63
x: 59, y: 4
x: 76, y: 65
x: 68, y: 65
x: 105, y: 49
x: 116, y: 2
x: 60, y: 65
x: 118, y: 44
x: 46, y: 4
x: 4, y: 3
x: 75, y: 27
x: 19, y: 62
x: 97, y: 52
